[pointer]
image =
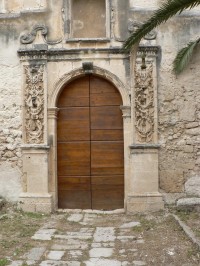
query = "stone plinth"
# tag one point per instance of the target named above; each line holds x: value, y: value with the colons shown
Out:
x: 36, y: 197
x: 143, y: 192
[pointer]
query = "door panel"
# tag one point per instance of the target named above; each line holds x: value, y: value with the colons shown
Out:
x: 103, y: 93
x: 107, y: 158
x: 75, y: 94
x: 74, y: 158
x: 106, y: 134
x: 73, y: 124
x: 106, y: 117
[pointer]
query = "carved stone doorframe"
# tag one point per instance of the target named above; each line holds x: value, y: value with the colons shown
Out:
x: 52, y: 122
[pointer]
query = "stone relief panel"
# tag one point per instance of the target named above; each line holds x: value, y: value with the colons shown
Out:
x: 34, y: 104
x: 144, y: 102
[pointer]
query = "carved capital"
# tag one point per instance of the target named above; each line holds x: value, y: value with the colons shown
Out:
x: 34, y: 104
x: 126, y: 111
x: 53, y: 113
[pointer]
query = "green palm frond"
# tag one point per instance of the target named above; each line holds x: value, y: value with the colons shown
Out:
x: 166, y: 11
x: 184, y: 55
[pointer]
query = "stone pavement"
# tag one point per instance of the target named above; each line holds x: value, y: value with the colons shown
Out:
x: 85, y: 239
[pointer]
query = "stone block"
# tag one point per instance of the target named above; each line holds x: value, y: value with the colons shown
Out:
x: 193, y: 131
x: 144, y: 203
x: 35, y: 253
x: 192, y: 125
x: 188, y: 148
x: 172, y: 181
x: 189, y: 203
x: 192, y: 186
x: 187, y: 111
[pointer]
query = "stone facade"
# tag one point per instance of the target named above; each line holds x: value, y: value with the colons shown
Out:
x: 41, y: 52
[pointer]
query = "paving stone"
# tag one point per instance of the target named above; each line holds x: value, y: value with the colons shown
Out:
x: 35, y: 253
x: 130, y: 225
x: 59, y: 263
x: 100, y: 252
x: 139, y: 263
x: 122, y: 251
x: 140, y: 241
x: 75, y: 217
x: 55, y: 255
x: 104, y: 234
x: 102, y: 262
x: 16, y: 263
x: 74, y: 236
x: 42, y: 237
x: 126, y: 263
x: 69, y: 244
x: 75, y: 253
x: 89, y: 218
x: 44, y: 234
x: 126, y: 237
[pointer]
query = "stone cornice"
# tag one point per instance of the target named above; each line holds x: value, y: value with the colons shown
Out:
x: 42, y: 51
x: 144, y: 146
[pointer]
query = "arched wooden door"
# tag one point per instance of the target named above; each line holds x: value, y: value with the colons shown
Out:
x: 90, y: 146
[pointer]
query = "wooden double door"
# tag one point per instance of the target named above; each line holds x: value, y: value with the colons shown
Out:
x: 90, y: 146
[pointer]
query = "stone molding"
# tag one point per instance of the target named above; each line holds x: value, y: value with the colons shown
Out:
x: 34, y: 147
x: 53, y: 112
x: 126, y: 111
x: 68, y: 77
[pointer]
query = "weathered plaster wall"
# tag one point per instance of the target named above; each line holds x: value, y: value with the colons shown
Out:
x: 179, y: 102
x: 10, y: 119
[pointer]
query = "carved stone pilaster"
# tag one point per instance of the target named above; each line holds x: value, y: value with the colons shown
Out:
x: 145, y: 96
x: 34, y: 104
x: 144, y: 103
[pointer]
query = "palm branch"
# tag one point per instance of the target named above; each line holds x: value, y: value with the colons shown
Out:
x: 166, y: 11
x: 184, y: 55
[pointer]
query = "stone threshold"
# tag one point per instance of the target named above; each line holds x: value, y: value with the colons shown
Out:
x: 118, y: 211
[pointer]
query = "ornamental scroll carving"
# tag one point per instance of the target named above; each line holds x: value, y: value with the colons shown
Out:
x: 144, y: 102
x: 34, y: 104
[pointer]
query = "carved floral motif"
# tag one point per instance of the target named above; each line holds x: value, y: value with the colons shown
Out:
x: 34, y: 104
x: 144, y: 102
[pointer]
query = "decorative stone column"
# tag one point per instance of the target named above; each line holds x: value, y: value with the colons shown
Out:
x: 52, y: 129
x: 143, y: 192
x: 35, y: 148
x: 126, y: 114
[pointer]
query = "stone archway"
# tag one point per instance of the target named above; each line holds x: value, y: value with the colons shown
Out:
x: 53, y: 114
